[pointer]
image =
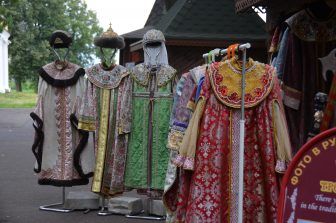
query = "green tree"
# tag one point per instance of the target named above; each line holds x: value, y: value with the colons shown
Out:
x: 31, y: 24
x: 5, y: 10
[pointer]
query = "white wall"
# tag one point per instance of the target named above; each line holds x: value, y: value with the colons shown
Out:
x: 4, y: 79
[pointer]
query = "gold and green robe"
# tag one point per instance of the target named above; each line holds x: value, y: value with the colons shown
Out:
x: 106, y: 110
x: 151, y: 104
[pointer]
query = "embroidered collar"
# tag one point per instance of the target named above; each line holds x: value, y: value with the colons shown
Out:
x: 308, y: 28
x: 106, y: 78
x: 226, y: 82
x: 61, y: 78
x: 164, y: 74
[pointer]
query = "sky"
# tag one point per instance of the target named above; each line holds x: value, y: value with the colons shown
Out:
x: 124, y: 15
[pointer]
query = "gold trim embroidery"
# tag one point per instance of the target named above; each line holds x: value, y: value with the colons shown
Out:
x: 102, y: 135
x: 174, y: 139
x: 225, y: 80
x: 86, y: 126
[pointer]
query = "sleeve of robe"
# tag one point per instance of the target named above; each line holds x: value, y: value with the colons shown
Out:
x: 81, y: 152
x: 125, y: 120
x: 181, y: 114
x: 281, y: 138
x: 86, y: 117
x: 186, y: 156
x: 37, y: 115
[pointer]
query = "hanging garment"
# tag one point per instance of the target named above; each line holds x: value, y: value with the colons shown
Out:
x: 106, y: 110
x: 153, y: 83
x: 329, y: 117
x: 210, y: 194
x: 59, y: 147
x: 308, y: 38
x: 179, y: 119
x: 152, y: 103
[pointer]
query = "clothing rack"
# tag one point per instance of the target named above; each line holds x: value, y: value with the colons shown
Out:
x: 217, y: 52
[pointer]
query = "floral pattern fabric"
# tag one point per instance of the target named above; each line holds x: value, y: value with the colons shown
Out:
x: 179, y: 120
x: 208, y: 193
x: 136, y: 167
x: 106, y: 110
x: 58, y: 138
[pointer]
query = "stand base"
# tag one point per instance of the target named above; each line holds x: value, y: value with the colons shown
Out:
x: 146, y: 217
x: 104, y: 213
x: 58, y: 207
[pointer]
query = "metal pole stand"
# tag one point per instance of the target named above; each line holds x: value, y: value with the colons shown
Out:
x: 146, y: 213
x: 104, y: 210
x: 58, y: 207
x: 242, y: 140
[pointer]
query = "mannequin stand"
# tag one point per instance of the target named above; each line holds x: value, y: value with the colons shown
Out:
x: 57, y: 207
x: 104, y: 210
x: 146, y: 213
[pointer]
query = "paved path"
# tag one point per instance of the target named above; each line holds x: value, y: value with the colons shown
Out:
x: 20, y: 195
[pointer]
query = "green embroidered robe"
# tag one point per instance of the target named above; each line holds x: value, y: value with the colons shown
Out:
x: 147, y: 135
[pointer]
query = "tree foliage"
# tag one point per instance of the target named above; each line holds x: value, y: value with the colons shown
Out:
x: 31, y: 22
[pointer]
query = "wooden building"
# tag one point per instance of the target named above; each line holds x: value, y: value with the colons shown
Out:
x: 194, y: 27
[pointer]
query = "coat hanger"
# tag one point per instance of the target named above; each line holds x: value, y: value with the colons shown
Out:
x: 212, y: 56
x: 206, y: 59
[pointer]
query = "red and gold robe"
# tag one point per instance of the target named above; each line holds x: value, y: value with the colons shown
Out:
x: 210, y: 194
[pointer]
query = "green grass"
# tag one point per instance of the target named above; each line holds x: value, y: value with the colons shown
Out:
x: 15, y: 99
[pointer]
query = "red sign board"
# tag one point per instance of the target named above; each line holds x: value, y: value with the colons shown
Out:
x: 308, y: 191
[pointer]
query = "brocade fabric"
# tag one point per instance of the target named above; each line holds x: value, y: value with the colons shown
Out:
x: 106, y: 110
x: 179, y: 121
x: 161, y: 83
x: 57, y: 137
x: 208, y: 194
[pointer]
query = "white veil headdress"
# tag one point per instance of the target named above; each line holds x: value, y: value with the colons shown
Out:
x: 155, y: 52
